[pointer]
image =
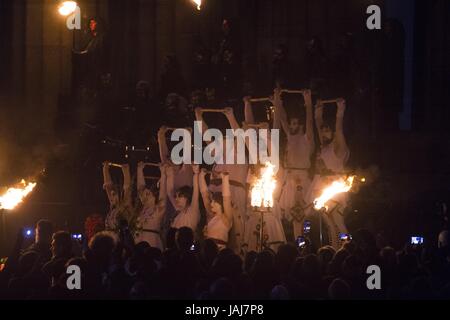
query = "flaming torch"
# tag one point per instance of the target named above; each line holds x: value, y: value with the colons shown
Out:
x: 198, y: 3
x: 262, y: 195
x: 11, y: 198
x: 336, y: 187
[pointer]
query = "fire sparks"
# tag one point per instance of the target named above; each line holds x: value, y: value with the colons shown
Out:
x: 336, y: 187
x: 198, y: 3
x: 13, y: 196
x: 263, y: 188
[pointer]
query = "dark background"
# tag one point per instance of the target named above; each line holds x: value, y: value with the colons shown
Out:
x: 39, y: 74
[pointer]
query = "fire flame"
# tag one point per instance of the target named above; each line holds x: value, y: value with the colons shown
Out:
x: 67, y: 8
x: 198, y: 3
x: 339, y: 186
x: 13, y: 196
x: 262, y: 190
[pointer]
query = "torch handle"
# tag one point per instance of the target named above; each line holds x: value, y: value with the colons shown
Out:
x: 329, y: 101
x: 260, y: 100
x: 115, y: 165
x: 213, y: 110
x: 150, y: 164
x: 152, y: 177
x: 293, y: 91
x: 173, y: 129
x: 263, y: 125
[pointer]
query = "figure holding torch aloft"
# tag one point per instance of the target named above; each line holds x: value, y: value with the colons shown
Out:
x: 330, y: 168
x: 119, y: 197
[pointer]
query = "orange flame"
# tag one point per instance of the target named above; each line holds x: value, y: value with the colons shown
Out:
x: 198, y: 3
x: 13, y: 196
x: 336, y: 187
x: 67, y: 8
x: 262, y: 190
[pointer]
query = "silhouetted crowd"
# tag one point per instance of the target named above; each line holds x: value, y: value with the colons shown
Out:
x: 113, y: 267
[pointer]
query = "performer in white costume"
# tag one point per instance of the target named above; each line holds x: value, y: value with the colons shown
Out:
x: 153, y: 208
x: 183, y: 172
x: 297, y: 160
x: 330, y: 166
x: 238, y: 175
x: 219, y: 211
x: 185, y: 200
x: 118, y: 199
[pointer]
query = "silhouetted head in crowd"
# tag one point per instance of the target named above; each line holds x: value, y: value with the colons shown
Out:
x: 285, y: 257
x: 101, y: 248
x: 221, y: 289
x: 61, y: 244
x: 325, y: 255
x: 279, y: 293
x: 250, y: 258
x: 170, y: 238
x: 184, y: 238
x: 209, y: 252
x: 339, y: 290
x: 26, y: 262
x: 44, y: 232
x: 183, y: 198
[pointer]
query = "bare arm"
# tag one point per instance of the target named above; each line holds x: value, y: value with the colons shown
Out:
x: 170, y: 184
x: 195, y: 191
x: 107, y: 181
x: 140, y: 177
x: 309, y: 115
x: 249, y: 118
x: 280, y: 117
x: 341, y: 145
x: 162, y: 189
x: 199, y: 117
x: 126, y: 184
x: 319, y: 118
x: 231, y: 119
x: 162, y: 143
x: 226, y: 194
x: 205, y: 193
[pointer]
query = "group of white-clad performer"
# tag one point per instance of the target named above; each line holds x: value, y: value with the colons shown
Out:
x: 225, y: 189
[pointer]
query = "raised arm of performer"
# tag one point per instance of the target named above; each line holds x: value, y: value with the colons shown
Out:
x: 162, y: 143
x: 226, y: 194
x: 206, y: 196
x: 280, y: 117
x: 140, y: 180
x: 195, y: 190
x: 229, y: 113
x: 162, y: 189
x: 126, y: 185
x: 199, y: 117
x: 248, y: 112
x: 108, y: 184
x: 340, y: 148
x: 170, y: 184
x: 319, y: 118
x: 309, y: 115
